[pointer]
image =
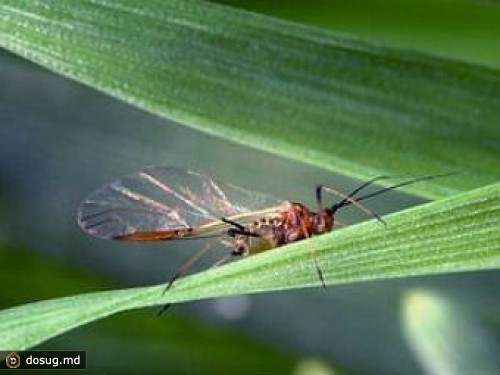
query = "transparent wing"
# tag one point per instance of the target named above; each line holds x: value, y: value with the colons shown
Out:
x: 161, y: 203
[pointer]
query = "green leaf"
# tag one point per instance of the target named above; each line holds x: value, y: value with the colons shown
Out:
x: 179, y: 344
x: 455, y: 234
x: 467, y: 30
x: 326, y: 99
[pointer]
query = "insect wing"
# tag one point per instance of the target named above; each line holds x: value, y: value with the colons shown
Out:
x: 166, y: 202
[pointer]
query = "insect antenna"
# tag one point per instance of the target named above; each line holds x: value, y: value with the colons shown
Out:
x: 336, y: 206
x: 347, y: 202
x: 349, y: 198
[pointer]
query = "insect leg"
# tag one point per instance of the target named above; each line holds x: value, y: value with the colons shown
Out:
x: 226, y: 258
x: 183, y: 269
x: 232, y: 232
x: 314, y: 255
x: 233, y: 223
x: 186, y: 266
x: 164, y: 308
x: 240, y: 229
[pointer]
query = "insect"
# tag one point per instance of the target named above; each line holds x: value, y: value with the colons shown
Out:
x: 168, y: 203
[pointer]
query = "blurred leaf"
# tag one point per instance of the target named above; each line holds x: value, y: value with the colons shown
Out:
x: 445, y: 337
x: 174, y: 344
x: 314, y: 366
x: 309, y: 94
x: 450, y: 235
x: 461, y: 29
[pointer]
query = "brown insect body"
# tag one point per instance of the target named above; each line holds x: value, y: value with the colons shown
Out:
x: 293, y: 222
x: 168, y: 203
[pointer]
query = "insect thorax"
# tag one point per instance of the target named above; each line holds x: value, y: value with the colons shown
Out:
x: 292, y: 223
